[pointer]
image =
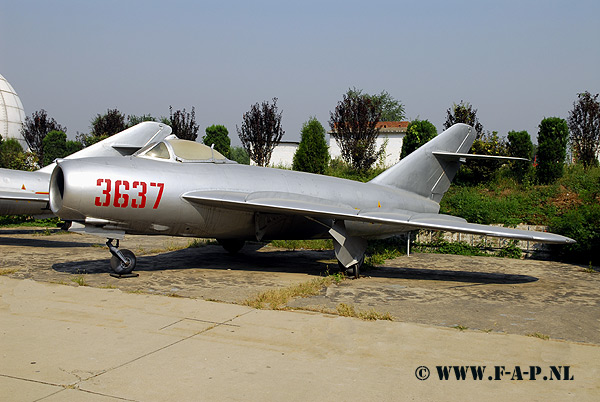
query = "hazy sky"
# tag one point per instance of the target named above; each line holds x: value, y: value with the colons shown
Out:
x: 515, y: 61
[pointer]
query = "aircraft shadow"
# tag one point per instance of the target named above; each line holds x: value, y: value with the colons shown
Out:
x: 449, y: 275
x: 215, y: 258
x: 300, y: 261
x: 41, y: 242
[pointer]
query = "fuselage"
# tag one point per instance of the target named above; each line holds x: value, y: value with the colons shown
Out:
x: 29, y: 185
x: 142, y: 195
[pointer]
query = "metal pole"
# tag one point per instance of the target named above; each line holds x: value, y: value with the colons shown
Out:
x: 408, y: 245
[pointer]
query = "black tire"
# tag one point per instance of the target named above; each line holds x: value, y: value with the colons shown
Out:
x: 119, y: 267
x: 232, y: 246
x: 354, y: 270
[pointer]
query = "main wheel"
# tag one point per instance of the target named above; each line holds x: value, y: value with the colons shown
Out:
x: 353, y: 270
x: 123, y: 268
x: 232, y: 246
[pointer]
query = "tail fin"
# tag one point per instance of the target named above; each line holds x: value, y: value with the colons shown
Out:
x: 424, y: 173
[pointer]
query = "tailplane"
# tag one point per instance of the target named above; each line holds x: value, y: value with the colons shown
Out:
x: 429, y: 170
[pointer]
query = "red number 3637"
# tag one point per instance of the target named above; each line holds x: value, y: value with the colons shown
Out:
x: 122, y: 193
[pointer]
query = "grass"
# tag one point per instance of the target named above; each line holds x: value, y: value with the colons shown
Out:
x: 347, y: 310
x: 316, y: 244
x: 8, y: 271
x: 539, y: 335
x: 27, y: 221
x: 460, y: 327
x: 79, y: 280
x: 276, y: 299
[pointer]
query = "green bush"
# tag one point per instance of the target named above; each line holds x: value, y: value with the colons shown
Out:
x: 312, y: 155
x: 339, y: 168
x: 552, y: 149
x: 418, y: 133
x: 219, y: 136
x: 582, y: 224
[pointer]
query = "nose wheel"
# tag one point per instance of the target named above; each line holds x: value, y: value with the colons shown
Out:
x: 122, y: 262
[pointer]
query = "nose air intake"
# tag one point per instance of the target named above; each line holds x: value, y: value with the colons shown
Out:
x: 57, y: 189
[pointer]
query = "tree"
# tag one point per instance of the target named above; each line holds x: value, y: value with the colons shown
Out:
x: 36, y: 128
x: 55, y: 146
x: 108, y: 124
x: 476, y: 171
x: 584, y: 123
x: 552, y: 149
x: 418, y: 133
x: 132, y: 120
x: 520, y: 146
x: 391, y: 108
x: 312, y: 155
x: 354, y: 127
x: 239, y: 155
x: 73, y: 146
x: 463, y: 113
x: 261, y: 131
x: 183, y: 124
x: 12, y: 155
x: 219, y: 136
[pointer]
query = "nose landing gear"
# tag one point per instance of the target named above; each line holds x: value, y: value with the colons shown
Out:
x: 122, y: 262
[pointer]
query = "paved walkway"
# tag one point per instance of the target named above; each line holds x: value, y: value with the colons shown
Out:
x: 61, y: 342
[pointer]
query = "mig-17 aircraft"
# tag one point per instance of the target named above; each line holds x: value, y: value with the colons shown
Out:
x: 26, y: 193
x: 183, y: 188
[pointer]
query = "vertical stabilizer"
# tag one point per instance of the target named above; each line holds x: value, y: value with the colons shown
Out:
x: 422, y: 172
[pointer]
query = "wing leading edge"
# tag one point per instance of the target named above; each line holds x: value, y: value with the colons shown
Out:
x: 297, y: 204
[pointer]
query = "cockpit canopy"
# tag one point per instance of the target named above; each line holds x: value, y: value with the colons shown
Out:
x: 176, y: 150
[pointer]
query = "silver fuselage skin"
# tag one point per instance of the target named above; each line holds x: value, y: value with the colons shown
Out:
x: 80, y: 192
x: 29, y: 184
x: 26, y: 193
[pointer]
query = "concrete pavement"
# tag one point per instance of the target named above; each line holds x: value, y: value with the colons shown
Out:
x: 60, y: 342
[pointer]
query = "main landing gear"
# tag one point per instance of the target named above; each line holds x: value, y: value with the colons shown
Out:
x: 122, y: 262
x: 349, y: 250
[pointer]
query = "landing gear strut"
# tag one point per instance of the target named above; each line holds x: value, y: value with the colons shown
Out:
x: 122, y: 262
x: 349, y: 250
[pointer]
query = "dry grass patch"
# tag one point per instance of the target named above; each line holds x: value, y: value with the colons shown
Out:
x: 346, y: 310
x: 276, y: 299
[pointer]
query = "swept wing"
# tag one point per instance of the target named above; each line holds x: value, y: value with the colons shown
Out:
x: 298, y: 204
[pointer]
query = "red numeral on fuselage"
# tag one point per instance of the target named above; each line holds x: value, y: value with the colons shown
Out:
x: 120, y: 194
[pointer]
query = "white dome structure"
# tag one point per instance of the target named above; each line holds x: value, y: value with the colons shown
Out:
x: 12, y: 115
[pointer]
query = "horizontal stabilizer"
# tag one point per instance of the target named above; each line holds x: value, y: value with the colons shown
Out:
x: 298, y: 204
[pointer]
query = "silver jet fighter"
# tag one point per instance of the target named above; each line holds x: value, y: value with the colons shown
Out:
x: 183, y: 188
x: 26, y: 193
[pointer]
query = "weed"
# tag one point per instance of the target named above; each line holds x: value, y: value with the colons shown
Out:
x: 8, y: 271
x: 197, y: 243
x: 539, y: 335
x: 79, y: 280
x: 372, y: 315
x: 276, y: 299
x: 460, y: 327
x: 347, y: 310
